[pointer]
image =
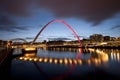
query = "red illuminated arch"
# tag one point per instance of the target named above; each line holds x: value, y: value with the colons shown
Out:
x: 76, y: 36
x: 61, y: 21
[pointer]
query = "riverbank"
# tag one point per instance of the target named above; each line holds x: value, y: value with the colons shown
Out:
x: 2, y: 48
x: 5, y: 62
x: 68, y: 46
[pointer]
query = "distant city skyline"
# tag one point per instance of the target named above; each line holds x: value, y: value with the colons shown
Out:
x: 65, y: 39
x: 25, y: 18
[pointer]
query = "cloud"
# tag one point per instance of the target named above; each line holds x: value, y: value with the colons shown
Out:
x: 13, y: 28
x: 9, y: 8
x: 115, y: 27
x: 94, y: 11
x: 6, y: 24
x: 5, y: 20
x: 57, y: 39
x: 15, y: 7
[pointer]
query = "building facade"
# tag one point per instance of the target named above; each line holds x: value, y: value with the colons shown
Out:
x: 96, y: 38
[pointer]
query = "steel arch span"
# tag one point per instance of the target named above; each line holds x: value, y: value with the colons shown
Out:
x: 61, y: 21
x: 18, y: 39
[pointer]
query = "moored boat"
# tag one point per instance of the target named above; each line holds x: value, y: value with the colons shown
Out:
x: 29, y: 49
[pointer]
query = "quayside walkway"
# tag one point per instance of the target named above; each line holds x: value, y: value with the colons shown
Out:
x: 5, y: 61
x: 4, y: 54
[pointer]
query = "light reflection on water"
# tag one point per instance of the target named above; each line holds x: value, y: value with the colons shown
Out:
x: 79, y: 63
x: 89, y: 56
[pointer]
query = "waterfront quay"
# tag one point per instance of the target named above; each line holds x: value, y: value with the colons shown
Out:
x: 70, y: 44
x: 5, y: 62
x: 5, y: 53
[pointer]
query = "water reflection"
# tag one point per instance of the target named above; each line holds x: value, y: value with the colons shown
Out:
x: 59, y: 65
x: 90, y: 56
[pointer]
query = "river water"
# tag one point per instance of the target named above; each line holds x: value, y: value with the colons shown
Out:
x: 66, y: 64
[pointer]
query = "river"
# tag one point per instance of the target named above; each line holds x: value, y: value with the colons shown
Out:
x: 66, y: 64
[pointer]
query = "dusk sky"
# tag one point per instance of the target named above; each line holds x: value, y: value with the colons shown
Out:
x: 25, y: 18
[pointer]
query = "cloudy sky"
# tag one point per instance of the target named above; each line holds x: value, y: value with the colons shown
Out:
x: 25, y: 18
